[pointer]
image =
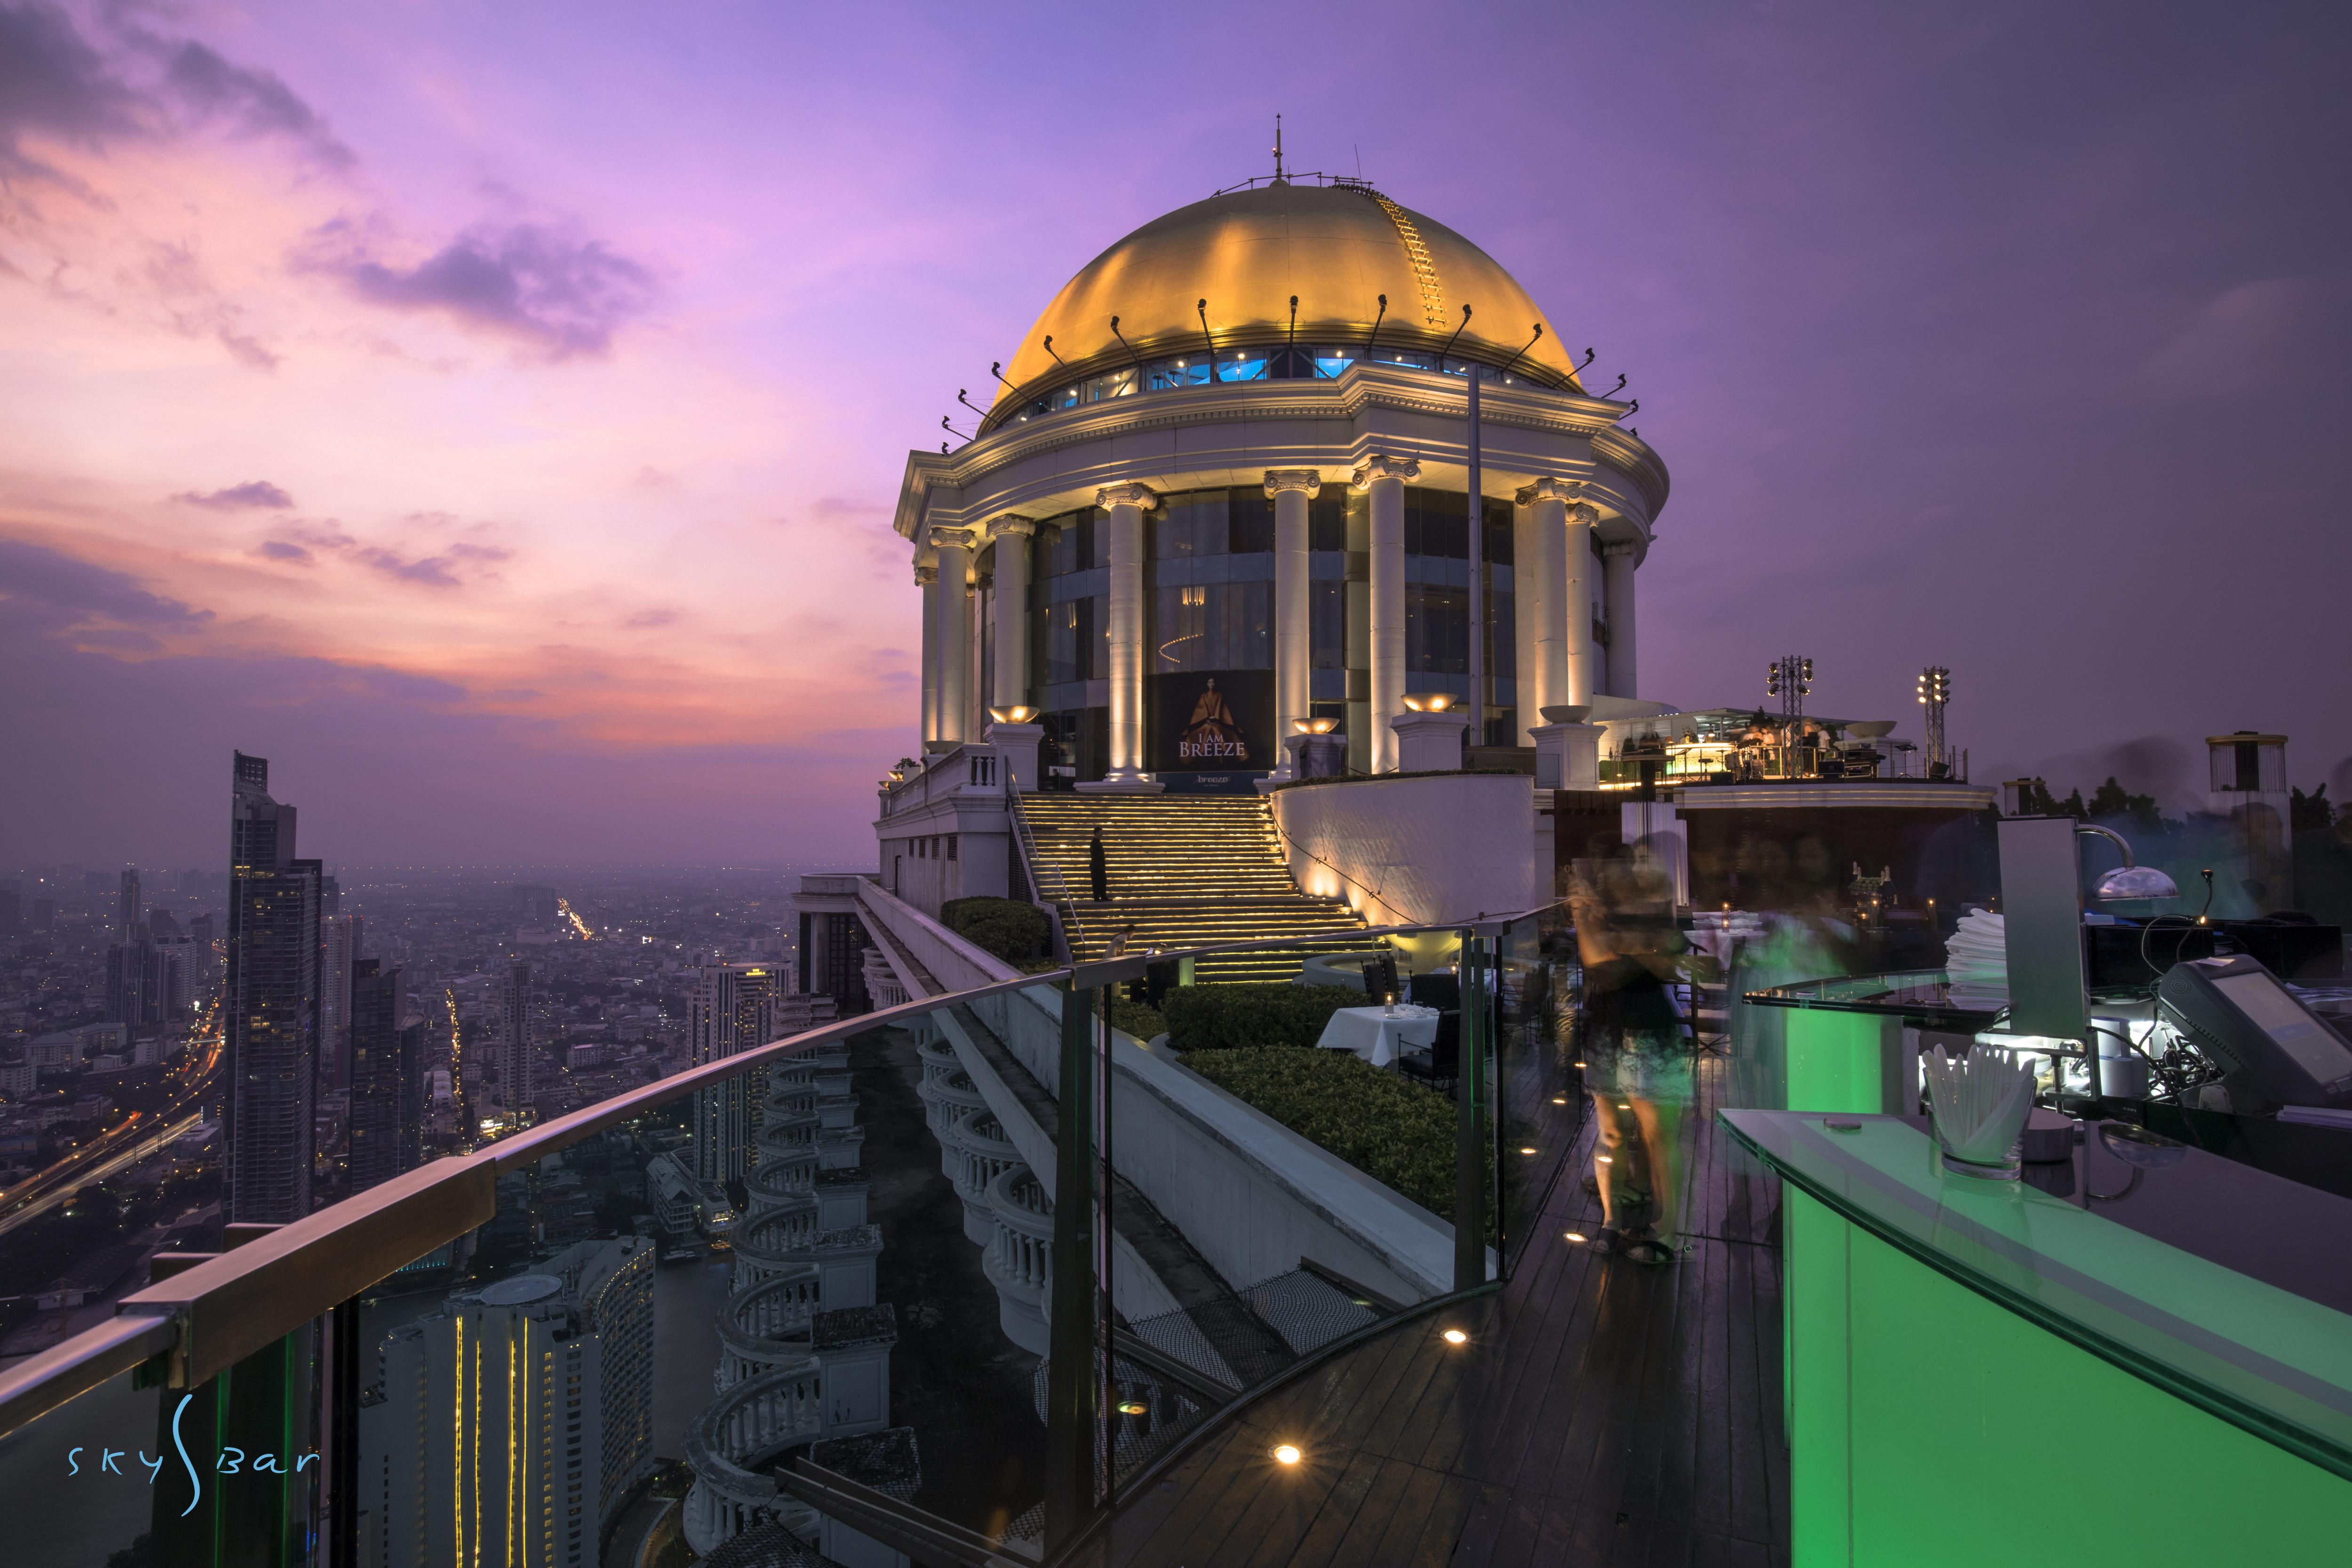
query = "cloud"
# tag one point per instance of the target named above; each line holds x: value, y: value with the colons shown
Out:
x: 448, y: 567
x: 236, y: 497
x: 829, y: 508
x: 53, y: 593
x: 257, y: 100
x: 2257, y: 336
x: 645, y: 620
x: 53, y: 83
x: 560, y: 294
x: 438, y: 570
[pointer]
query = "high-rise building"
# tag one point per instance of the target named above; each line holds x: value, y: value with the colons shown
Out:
x: 341, y: 938
x: 515, y: 1055
x: 271, y: 1006
x: 127, y: 907
x: 191, y: 883
x: 200, y: 930
x: 11, y: 911
x: 511, y: 1427
x: 387, y: 1076
x: 45, y: 914
x: 733, y: 1010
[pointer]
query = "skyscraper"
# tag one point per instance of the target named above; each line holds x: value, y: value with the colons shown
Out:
x: 127, y: 907
x: 271, y: 1009
x: 515, y: 1054
x: 387, y: 1079
x: 734, y: 1010
x: 512, y: 1425
x: 340, y: 936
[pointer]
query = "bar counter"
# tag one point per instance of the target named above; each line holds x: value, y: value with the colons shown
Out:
x: 2141, y: 1356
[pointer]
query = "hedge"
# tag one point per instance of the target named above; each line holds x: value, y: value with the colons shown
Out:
x: 1393, y: 1129
x: 1248, y: 1014
x: 1010, y: 929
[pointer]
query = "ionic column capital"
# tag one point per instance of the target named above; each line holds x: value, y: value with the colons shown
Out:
x: 1142, y: 497
x: 1548, y: 489
x: 1012, y: 525
x: 926, y: 575
x: 1380, y: 466
x: 1583, y: 514
x: 945, y: 537
x: 1280, y: 480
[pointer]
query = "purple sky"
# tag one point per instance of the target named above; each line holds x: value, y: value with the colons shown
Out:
x: 492, y: 414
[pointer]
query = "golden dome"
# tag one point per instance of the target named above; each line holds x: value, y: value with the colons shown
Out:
x: 1337, y: 248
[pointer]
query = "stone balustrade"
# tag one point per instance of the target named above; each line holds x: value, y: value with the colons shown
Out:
x: 973, y: 1152
x: 731, y: 1448
x: 1020, y: 1257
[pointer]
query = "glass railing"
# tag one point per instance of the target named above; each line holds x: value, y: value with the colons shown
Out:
x: 810, y: 1298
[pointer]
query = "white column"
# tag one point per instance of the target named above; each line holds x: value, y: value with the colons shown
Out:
x: 1127, y: 504
x: 1012, y: 535
x: 1543, y: 603
x: 1294, y: 643
x: 1577, y: 589
x: 1617, y: 563
x: 1527, y: 599
x: 954, y: 547
x: 927, y: 578
x: 1384, y: 477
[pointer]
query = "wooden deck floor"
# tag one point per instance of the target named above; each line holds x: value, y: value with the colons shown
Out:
x: 1600, y: 1414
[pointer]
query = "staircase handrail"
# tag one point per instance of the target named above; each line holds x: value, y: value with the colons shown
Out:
x: 1060, y: 907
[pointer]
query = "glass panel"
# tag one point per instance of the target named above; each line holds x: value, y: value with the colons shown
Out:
x: 1538, y: 1090
x: 1167, y: 375
x: 1333, y: 361
x: 1242, y: 365
x: 92, y: 1477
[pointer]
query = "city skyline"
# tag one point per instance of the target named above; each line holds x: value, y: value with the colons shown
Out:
x: 386, y: 453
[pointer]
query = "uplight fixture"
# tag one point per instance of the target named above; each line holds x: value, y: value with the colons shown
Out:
x: 1527, y: 1151
x: 1014, y: 715
x: 1288, y: 1453
x: 1574, y: 1235
x: 1130, y: 1408
x: 1456, y: 1337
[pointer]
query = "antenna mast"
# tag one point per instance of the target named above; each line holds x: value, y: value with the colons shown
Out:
x: 1278, y: 149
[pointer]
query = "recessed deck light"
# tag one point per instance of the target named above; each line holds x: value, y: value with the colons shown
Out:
x: 1286, y: 1455
x: 1576, y: 1236
x: 1456, y: 1337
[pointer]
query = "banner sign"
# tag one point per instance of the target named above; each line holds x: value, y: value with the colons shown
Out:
x: 1213, y: 721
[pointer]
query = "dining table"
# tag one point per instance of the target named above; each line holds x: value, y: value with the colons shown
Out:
x: 1380, y: 1034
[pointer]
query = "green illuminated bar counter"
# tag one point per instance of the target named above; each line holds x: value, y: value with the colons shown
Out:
x: 2013, y: 1372
x: 1851, y: 1043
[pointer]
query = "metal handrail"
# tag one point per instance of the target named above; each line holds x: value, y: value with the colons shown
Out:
x: 1065, y: 906
x: 206, y: 1319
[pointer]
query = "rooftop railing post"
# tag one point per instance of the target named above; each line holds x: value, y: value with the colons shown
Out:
x: 1469, y: 1124
x: 1071, y: 1417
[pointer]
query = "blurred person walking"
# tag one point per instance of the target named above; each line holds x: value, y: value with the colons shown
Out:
x: 1099, y: 869
x: 1637, y: 1057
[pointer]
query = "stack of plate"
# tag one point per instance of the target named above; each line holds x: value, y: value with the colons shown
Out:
x: 1976, y: 959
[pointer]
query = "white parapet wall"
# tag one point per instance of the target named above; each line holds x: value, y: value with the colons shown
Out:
x: 1250, y: 1194
x: 1405, y: 851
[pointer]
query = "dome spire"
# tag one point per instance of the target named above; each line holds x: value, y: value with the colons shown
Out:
x: 1278, y: 178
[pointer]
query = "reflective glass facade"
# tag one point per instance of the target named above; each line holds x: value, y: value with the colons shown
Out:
x: 1208, y: 606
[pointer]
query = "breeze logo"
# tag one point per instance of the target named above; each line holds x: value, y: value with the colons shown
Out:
x: 229, y: 1461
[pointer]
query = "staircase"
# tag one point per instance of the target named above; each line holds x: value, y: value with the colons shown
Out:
x: 1184, y: 871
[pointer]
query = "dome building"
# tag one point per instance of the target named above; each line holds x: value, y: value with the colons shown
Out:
x: 1221, y: 497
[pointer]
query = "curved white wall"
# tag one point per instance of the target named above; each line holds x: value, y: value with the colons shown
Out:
x: 1451, y: 847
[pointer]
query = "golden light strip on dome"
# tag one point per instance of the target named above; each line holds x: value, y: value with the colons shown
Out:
x: 1424, y: 271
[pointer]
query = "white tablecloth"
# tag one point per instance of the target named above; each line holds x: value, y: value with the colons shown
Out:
x: 1376, y: 1037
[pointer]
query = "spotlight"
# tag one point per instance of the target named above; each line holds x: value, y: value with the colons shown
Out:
x: 1576, y: 1236
x: 1286, y: 1455
x: 1456, y: 1337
